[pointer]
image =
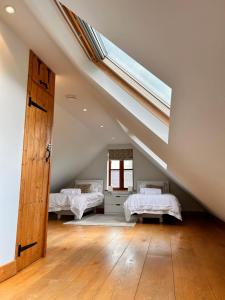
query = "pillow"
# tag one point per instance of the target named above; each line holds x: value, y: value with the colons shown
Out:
x: 85, y: 188
x: 150, y: 191
x: 153, y: 186
x: 71, y: 191
x: 94, y: 187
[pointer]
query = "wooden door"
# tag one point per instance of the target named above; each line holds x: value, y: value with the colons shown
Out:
x: 34, y: 190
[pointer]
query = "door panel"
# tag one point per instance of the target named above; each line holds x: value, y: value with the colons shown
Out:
x: 35, y: 174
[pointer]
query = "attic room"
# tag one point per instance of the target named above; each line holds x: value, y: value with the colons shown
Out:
x: 112, y: 149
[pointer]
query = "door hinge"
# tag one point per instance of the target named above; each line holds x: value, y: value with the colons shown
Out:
x: 23, y: 248
x: 32, y: 103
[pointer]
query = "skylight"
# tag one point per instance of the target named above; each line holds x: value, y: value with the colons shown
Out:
x: 145, y: 78
x: 147, y: 89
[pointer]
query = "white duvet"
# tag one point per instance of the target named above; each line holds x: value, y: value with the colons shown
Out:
x: 152, y: 204
x: 58, y: 201
x: 79, y: 203
x: 76, y: 203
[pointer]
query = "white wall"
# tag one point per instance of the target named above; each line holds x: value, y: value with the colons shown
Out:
x: 143, y: 170
x: 74, y: 146
x: 13, y: 84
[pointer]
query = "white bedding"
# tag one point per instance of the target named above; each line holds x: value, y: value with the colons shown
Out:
x: 76, y: 203
x: 58, y: 201
x: 152, y: 204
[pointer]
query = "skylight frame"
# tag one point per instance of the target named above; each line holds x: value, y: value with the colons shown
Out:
x: 97, y: 38
x: 128, y: 71
x: 138, y: 82
x: 144, y: 97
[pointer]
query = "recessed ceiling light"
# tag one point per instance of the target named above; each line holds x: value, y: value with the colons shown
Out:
x: 101, y: 126
x: 113, y: 138
x: 10, y: 9
x: 84, y: 109
x: 71, y: 97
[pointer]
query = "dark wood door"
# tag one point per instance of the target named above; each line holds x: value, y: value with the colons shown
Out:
x: 34, y: 190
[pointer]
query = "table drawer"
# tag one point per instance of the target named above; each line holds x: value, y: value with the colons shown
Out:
x: 115, y: 200
x: 114, y: 209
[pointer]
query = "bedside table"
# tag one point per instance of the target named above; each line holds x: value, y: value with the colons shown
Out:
x: 113, y: 203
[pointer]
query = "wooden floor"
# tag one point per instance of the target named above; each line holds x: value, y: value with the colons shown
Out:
x: 149, y: 261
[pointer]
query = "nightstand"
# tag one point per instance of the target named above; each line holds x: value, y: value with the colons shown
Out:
x: 113, y: 203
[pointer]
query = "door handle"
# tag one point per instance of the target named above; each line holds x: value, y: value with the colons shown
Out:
x: 48, y: 152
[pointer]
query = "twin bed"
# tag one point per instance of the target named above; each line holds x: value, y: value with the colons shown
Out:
x: 70, y: 202
x: 152, y: 200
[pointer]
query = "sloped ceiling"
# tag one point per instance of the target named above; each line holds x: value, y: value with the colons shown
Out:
x: 183, y: 43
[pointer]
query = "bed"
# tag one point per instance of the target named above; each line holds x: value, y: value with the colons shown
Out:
x: 152, y: 205
x: 69, y: 203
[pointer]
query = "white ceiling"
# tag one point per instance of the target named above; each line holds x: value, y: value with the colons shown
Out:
x: 77, y: 135
x: 182, y: 42
x: 189, y: 33
x: 69, y: 79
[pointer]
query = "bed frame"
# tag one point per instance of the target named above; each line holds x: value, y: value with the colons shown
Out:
x: 165, y: 189
x: 99, y: 184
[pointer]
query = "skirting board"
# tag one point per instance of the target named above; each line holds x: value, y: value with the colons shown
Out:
x: 7, y: 271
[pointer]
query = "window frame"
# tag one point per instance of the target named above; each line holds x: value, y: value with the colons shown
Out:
x: 121, y: 174
x: 137, y: 86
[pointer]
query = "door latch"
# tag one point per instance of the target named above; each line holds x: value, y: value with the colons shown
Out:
x: 48, y: 150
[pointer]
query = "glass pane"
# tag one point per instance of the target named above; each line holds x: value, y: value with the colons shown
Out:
x: 128, y: 164
x: 115, y: 178
x: 128, y: 178
x: 115, y: 164
x: 145, y: 78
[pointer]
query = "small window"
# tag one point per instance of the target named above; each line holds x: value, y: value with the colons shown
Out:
x: 115, y: 173
x: 120, y: 174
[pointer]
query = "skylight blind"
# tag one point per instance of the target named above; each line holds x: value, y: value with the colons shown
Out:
x: 120, y: 154
x: 94, y: 39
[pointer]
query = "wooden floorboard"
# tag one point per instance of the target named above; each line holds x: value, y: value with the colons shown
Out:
x: 147, y: 262
x: 123, y: 280
x: 157, y: 280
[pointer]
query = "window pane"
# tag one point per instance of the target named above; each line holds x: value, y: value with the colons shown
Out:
x: 128, y: 164
x: 115, y: 179
x: 145, y: 78
x: 115, y: 164
x: 128, y: 178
